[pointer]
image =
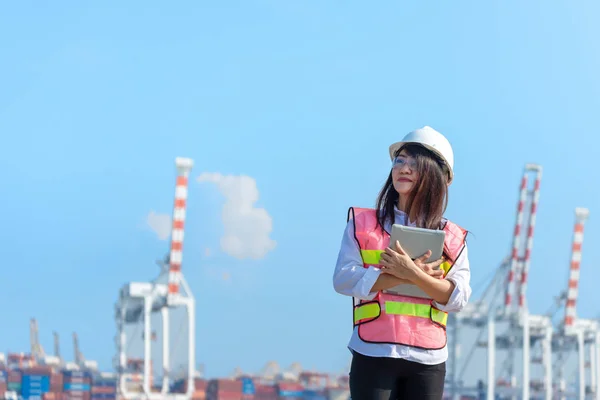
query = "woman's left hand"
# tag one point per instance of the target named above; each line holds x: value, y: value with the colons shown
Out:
x: 397, y: 263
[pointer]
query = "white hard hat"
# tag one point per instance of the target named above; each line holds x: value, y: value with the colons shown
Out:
x: 432, y: 140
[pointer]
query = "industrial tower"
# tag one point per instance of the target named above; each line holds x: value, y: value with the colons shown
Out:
x: 138, y: 300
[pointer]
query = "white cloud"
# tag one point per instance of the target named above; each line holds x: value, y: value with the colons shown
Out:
x: 160, y: 224
x: 246, y: 228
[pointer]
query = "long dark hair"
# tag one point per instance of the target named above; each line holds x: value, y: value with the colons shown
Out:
x: 428, y: 200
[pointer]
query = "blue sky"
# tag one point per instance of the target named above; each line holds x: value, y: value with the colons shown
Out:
x: 303, y: 98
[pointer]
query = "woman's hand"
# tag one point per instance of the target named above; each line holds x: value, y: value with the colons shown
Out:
x: 397, y: 263
x: 429, y: 268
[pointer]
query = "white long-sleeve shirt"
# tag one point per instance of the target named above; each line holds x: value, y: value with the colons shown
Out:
x: 351, y: 278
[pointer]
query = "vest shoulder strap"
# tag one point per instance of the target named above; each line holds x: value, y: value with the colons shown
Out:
x: 454, y: 243
x: 365, y: 219
x: 353, y: 212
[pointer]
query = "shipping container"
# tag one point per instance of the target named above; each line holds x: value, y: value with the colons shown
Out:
x: 313, y: 394
x: 265, y: 392
x: 87, y: 381
x: 104, y: 382
x: 56, y: 382
x: 104, y: 396
x: 52, y: 396
x: 14, y: 377
x: 77, y: 396
x: 34, y: 386
x: 199, y: 395
x: 38, y: 370
x: 181, y: 385
x: 290, y: 390
x: 76, y: 387
x: 224, y: 396
x: 224, y: 385
x: 103, y: 389
x: 77, y: 374
x: 247, y: 385
x: 224, y: 389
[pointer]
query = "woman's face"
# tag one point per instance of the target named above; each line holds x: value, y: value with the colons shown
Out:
x: 404, y: 173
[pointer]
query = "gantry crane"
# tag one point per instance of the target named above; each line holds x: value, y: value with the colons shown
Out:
x: 138, y: 300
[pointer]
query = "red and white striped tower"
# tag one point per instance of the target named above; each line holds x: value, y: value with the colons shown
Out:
x: 529, y: 242
x: 514, y: 262
x: 184, y: 166
x: 581, y: 215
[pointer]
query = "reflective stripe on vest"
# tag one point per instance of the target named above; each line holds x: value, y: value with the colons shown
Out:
x: 372, y: 257
x: 372, y: 310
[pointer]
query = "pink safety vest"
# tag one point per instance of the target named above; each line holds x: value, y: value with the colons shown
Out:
x: 391, y: 318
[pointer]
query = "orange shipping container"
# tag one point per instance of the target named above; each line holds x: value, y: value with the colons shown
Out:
x: 14, y: 376
x: 38, y: 370
x: 49, y: 396
x: 224, y: 385
x: 199, y: 395
x: 103, y: 390
x: 199, y: 385
x: 77, y: 396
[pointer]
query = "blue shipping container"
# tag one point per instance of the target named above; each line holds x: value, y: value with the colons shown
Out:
x: 314, y: 395
x: 289, y: 393
x: 77, y: 374
x: 35, y: 378
x: 105, y: 383
x: 248, y: 386
x: 104, y: 396
x: 33, y: 386
x: 77, y: 387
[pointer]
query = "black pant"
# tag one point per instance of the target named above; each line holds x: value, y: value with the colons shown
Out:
x: 384, y: 378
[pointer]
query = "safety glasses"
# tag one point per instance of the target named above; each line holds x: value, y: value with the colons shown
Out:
x: 401, y: 161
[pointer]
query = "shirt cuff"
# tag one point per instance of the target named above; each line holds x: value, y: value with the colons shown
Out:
x: 368, y: 280
x: 453, y: 301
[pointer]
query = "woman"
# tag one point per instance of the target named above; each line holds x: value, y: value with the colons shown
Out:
x: 398, y: 343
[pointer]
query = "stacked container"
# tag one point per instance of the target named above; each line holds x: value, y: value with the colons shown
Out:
x: 19, y: 361
x: 248, y: 389
x: 224, y: 389
x: 315, y: 394
x: 104, y: 388
x: 3, y: 383
x: 290, y: 391
x: 56, y: 382
x: 14, y: 381
x: 77, y: 385
x: 200, y: 386
x: 35, y: 382
x: 52, y: 395
x: 265, y: 392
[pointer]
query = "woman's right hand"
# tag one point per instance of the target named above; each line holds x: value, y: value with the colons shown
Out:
x: 430, y: 268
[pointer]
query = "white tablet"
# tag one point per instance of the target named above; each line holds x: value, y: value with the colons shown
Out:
x: 416, y: 242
